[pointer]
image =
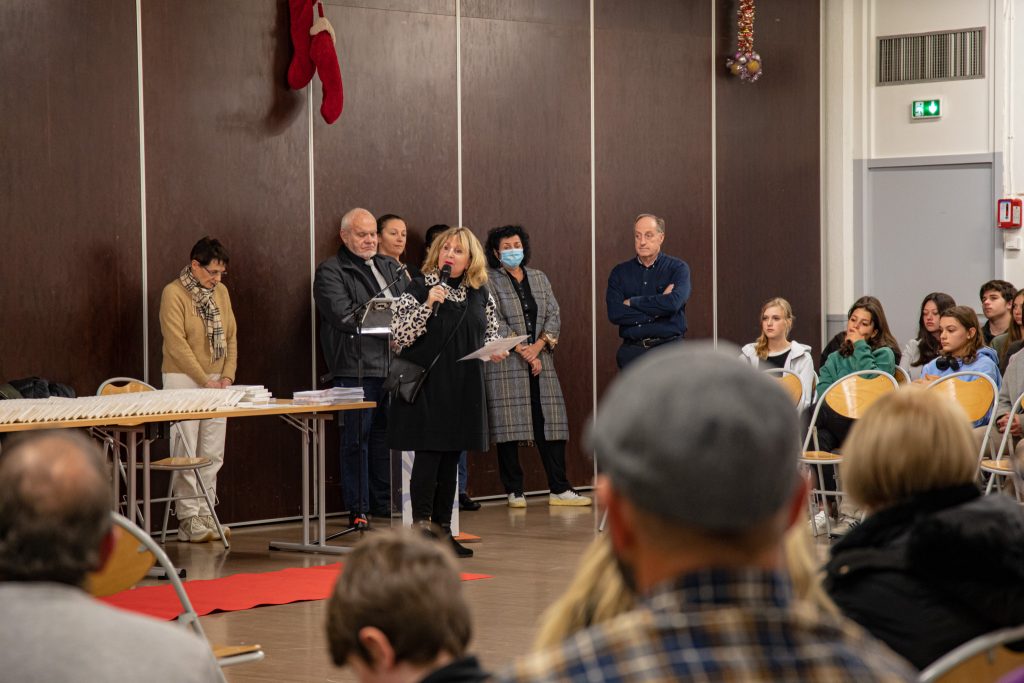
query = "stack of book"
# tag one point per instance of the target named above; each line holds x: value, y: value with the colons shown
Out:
x: 327, y: 396
x: 253, y: 395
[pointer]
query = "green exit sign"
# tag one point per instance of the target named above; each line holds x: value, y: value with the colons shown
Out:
x: 926, y: 109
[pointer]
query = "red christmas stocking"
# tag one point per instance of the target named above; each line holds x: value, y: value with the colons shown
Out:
x: 301, y: 69
x: 326, y: 59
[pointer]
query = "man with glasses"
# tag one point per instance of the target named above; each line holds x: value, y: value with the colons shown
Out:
x: 647, y: 295
x: 199, y: 350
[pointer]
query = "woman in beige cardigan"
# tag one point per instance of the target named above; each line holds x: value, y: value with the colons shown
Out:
x: 199, y: 350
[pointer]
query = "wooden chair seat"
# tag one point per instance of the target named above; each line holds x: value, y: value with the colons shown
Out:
x: 129, y: 563
x: 1004, y: 465
x: 179, y: 463
x: 823, y: 457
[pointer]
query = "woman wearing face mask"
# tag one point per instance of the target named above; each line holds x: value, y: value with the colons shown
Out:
x: 442, y: 316
x: 524, y: 398
x: 920, y: 351
x: 773, y: 349
x: 963, y: 349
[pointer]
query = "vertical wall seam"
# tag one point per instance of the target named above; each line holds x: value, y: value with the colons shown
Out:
x: 144, y: 247
x: 714, y: 181
x: 458, y: 99
x: 822, y: 216
x: 593, y: 232
x: 311, y: 175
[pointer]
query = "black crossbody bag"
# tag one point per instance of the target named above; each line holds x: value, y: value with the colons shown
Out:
x: 406, y: 378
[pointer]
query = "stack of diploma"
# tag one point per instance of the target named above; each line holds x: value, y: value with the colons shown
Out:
x: 324, y: 397
x: 253, y: 395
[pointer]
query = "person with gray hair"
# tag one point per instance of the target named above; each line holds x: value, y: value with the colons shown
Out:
x: 55, y: 528
x: 698, y: 455
x: 647, y: 295
x: 342, y: 283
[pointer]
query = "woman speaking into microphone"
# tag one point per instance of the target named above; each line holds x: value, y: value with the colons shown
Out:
x: 440, y: 408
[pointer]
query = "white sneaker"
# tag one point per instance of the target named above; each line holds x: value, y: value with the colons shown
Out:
x: 845, y: 524
x: 207, y: 521
x: 569, y: 497
x: 818, y: 524
x: 192, y: 530
x: 515, y: 501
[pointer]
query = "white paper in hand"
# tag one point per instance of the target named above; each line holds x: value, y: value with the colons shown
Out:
x: 485, y: 352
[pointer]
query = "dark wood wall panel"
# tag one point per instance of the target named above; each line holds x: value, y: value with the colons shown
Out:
x: 526, y: 160
x: 70, y: 284
x: 226, y: 154
x: 653, y: 145
x: 769, y: 217
x: 394, y: 149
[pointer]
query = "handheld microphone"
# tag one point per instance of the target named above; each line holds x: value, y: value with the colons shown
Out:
x: 446, y: 272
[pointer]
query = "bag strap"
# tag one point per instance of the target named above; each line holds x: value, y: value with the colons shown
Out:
x: 450, y: 335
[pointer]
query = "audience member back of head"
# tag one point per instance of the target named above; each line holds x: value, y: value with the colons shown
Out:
x: 699, y: 453
x: 54, y: 529
x: 934, y: 563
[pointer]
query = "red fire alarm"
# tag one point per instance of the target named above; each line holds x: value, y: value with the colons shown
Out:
x: 1008, y: 213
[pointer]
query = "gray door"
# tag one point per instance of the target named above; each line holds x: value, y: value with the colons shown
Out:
x: 928, y: 228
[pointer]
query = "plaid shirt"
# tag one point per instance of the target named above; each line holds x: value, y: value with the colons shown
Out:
x: 718, y: 625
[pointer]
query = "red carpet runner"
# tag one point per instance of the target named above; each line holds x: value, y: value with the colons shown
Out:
x: 238, y: 592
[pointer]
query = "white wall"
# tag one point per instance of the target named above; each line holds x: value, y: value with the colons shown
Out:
x: 863, y: 122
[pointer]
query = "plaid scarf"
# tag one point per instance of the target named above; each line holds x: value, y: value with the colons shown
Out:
x: 206, y: 308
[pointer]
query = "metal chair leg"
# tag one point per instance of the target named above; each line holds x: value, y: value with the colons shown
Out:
x: 213, y: 510
x: 167, y: 506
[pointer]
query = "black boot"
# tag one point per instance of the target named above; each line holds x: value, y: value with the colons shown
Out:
x: 460, y: 550
x: 467, y: 504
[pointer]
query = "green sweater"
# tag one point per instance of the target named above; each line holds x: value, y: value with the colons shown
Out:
x: 863, y: 357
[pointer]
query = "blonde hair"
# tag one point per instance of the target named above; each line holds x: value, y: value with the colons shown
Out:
x: 908, y: 442
x: 595, y: 594
x: 761, y: 348
x: 475, y: 275
x: 805, y: 568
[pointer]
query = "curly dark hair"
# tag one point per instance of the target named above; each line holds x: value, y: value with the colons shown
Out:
x: 496, y: 235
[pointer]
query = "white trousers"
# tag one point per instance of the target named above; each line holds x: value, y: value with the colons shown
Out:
x: 203, y: 438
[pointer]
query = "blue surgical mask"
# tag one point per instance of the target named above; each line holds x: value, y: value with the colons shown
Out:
x: 512, y: 257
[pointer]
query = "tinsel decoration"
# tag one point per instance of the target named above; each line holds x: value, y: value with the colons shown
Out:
x: 745, y: 63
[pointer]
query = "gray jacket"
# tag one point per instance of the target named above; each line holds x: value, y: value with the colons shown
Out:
x: 508, y: 383
x: 338, y: 286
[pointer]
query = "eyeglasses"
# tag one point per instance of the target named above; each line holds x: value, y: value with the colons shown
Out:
x: 215, y: 273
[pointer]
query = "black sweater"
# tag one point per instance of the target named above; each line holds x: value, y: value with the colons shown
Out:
x: 929, y: 574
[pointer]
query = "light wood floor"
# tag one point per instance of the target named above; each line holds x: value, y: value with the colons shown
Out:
x: 530, y: 553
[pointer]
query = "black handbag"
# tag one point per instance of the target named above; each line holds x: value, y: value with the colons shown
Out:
x: 405, y: 379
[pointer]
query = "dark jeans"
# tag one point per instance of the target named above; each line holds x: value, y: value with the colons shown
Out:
x: 365, y: 459
x: 832, y: 431
x: 463, y: 472
x: 628, y: 353
x: 432, y: 486
x: 552, y: 453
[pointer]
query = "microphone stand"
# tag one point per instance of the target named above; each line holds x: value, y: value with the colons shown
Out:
x: 355, y: 314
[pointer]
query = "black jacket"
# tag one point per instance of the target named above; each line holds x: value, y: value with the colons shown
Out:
x: 932, y: 573
x: 339, y: 285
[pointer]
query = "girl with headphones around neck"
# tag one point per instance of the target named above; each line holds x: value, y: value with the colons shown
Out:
x: 963, y: 349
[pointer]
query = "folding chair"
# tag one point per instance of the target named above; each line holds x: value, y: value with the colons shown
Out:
x: 790, y: 382
x: 902, y: 376
x: 134, y: 554
x: 976, y: 396
x: 849, y: 396
x: 984, y: 658
x: 1002, y: 465
x: 174, y: 464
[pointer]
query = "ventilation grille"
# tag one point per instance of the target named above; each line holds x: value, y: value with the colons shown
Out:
x: 939, y: 56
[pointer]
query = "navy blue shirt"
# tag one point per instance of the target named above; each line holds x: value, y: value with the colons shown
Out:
x: 650, y: 313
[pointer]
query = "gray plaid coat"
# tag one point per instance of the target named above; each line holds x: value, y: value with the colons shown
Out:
x: 508, y: 382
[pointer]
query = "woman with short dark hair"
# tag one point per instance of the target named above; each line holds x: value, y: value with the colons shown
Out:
x: 524, y: 397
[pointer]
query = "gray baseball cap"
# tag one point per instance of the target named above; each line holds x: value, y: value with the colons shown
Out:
x: 696, y: 436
